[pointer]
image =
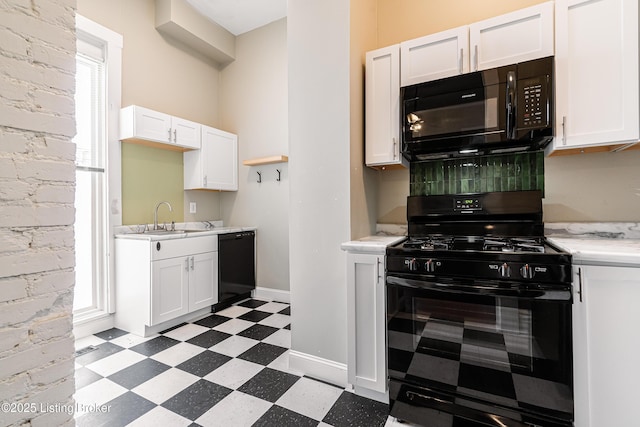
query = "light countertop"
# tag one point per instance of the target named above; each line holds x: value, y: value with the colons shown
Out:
x: 187, y: 234
x: 371, y: 244
x: 601, y: 251
x: 598, y: 243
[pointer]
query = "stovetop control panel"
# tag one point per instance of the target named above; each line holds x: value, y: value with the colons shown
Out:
x: 465, y: 203
x: 496, y: 269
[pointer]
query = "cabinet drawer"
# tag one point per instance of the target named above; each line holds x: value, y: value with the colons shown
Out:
x: 172, y: 248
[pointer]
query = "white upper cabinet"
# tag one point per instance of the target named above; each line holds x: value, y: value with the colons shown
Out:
x: 215, y: 165
x: 597, y: 92
x: 519, y: 36
x: 185, y: 133
x: 382, y: 107
x: 142, y: 125
x: 434, y: 56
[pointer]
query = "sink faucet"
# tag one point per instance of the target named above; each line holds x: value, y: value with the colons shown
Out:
x: 155, y: 214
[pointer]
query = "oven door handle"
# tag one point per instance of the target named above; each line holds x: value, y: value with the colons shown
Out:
x: 560, y: 294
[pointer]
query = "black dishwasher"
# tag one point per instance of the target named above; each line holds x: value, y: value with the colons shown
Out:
x: 236, y: 267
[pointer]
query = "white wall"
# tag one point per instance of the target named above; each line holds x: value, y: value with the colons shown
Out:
x: 319, y: 177
x: 37, y: 177
x: 253, y: 104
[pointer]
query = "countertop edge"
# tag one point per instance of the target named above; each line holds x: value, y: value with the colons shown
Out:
x: 376, y: 244
x: 199, y: 233
x: 605, y: 252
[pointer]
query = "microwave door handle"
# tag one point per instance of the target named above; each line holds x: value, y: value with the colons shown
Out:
x: 511, y: 105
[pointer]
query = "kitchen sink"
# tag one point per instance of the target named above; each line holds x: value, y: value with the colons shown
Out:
x: 163, y: 232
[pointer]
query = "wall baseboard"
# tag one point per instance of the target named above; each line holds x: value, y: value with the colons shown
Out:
x: 271, y: 294
x: 93, y: 326
x: 317, y: 367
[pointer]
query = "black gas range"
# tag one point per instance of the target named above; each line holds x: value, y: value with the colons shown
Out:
x: 493, y: 236
x: 479, y: 314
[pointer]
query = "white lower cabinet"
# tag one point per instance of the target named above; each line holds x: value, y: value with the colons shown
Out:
x: 169, y: 289
x: 366, y: 325
x: 162, y: 281
x: 182, y: 285
x: 606, y: 345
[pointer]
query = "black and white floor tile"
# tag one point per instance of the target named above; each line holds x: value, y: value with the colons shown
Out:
x: 228, y: 369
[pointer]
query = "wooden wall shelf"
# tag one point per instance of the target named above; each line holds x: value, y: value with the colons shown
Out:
x: 266, y: 160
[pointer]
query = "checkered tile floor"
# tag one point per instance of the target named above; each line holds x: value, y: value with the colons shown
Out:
x: 228, y: 369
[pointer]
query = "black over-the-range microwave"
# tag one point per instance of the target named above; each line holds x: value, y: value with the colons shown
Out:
x: 505, y: 109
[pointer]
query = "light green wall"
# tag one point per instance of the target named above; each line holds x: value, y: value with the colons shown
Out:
x: 151, y: 175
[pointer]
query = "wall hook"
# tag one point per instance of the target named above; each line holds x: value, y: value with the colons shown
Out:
x: 259, y: 177
x: 278, y: 178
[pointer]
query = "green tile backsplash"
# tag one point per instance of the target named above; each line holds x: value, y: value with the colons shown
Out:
x: 503, y: 172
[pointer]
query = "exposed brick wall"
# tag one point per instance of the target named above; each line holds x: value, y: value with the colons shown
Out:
x: 37, y: 179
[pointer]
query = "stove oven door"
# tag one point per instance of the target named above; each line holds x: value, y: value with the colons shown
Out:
x: 486, y: 353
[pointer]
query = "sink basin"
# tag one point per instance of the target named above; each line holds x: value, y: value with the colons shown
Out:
x: 162, y: 232
x: 165, y: 232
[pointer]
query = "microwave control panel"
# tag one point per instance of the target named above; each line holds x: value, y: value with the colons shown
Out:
x: 533, y: 102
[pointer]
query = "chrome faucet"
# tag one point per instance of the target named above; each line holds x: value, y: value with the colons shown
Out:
x: 155, y: 214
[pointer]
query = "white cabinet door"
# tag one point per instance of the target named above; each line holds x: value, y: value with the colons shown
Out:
x: 215, y: 165
x: 203, y: 280
x: 366, y: 318
x: 382, y: 107
x: 434, y: 56
x: 515, y: 37
x: 606, y: 345
x: 186, y: 133
x: 142, y: 123
x: 597, y: 91
x: 169, y: 289
x: 220, y: 159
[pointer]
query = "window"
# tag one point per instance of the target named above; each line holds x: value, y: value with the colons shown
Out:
x: 98, y: 193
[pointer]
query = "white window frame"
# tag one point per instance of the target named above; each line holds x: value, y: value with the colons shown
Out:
x: 111, y: 44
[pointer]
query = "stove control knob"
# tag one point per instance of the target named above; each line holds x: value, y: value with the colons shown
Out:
x: 430, y: 266
x: 526, y: 271
x: 504, y: 270
x: 411, y: 264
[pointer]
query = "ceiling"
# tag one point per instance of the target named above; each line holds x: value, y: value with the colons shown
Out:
x: 240, y: 16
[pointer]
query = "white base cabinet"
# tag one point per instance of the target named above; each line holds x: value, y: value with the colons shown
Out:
x: 597, y: 89
x: 215, y: 165
x: 159, y: 281
x: 366, y: 325
x: 606, y: 345
x: 142, y: 125
x: 169, y: 289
